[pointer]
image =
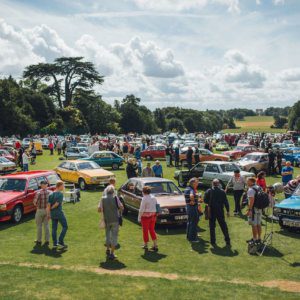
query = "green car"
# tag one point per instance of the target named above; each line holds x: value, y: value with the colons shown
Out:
x: 106, y: 159
x: 222, y: 146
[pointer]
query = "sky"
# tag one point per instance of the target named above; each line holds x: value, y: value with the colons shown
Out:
x: 200, y: 54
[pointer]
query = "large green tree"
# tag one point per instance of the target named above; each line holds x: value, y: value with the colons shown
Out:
x: 294, y: 116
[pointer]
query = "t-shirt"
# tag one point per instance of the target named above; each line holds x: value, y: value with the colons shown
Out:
x: 53, y: 198
x: 251, y: 193
x: 25, y: 159
x: 287, y: 178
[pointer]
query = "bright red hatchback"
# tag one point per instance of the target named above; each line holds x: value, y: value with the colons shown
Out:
x: 17, y: 192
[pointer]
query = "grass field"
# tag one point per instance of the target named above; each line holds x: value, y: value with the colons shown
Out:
x: 255, y: 124
x: 178, y: 271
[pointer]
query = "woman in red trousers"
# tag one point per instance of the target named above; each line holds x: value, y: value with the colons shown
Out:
x: 147, y: 216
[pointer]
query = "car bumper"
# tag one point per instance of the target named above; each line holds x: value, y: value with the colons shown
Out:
x: 171, y: 219
x: 288, y: 221
x: 3, y: 172
x: 5, y: 215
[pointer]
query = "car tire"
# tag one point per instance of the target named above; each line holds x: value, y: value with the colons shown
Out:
x: 253, y: 170
x: 148, y: 157
x: 82, y: 184
x: 115, y: 166
x: 125, y: 211
x: 17, y: 214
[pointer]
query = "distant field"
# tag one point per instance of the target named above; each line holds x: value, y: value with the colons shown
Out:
x: 255, y: 124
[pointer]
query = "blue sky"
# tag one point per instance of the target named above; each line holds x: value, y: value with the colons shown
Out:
x: 206, y: 54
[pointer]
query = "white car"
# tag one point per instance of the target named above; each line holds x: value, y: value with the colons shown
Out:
x: 7, y: 166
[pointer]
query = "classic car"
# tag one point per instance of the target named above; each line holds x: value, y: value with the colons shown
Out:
x: 76, y: 152
x: 154, y: 152
x: 18, y: 190
x: 6, y: 154
x: 168, y: 195
x: 26, y: 142
x: 207, y: 171
x: 84, y: 173
x: 106, y: 159
x: 222, y: 146
x: 205, y: 155
x: 280, y: 146
x: 292, y: 155
x: 288, y: 143
x: 254, y: 162
x: 45, y: 143
x: 288, y: 211
x: 7, y: 166
x: 240, y: 151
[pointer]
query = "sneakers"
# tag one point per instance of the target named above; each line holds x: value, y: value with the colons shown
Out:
x: 46, y: 244
x: 154, y: 249
x: 107, y: 252
x: 38, y: 243
x: 145, y: 247
x: 112, y: 256
x: 62, y: 245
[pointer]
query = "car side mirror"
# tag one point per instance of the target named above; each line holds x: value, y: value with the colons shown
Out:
x: 30, y: 191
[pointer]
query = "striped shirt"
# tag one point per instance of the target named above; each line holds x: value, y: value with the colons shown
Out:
x: 41, y: 199
x: 290, y: 187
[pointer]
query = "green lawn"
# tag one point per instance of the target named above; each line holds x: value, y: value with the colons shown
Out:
x: 255, y: 124
x: 29, y: 273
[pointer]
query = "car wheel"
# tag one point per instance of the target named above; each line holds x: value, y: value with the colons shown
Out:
x: 148, y: 157
x: 82, y: 184
x: 115, y: 166
x: 17, y: 214
x: 125, y: 211
x: 253, y: 170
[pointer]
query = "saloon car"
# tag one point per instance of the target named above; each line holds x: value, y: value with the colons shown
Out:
x: 254, y: 162
x: 207, y: 171
x: 292, y: 155
x: 6, y: 154
x: 288, y: 211
x: 18, y: 190
x: 84, y: 173
x: 154, y: 152
x: 7, y: 166
x: 76, y: 153
x: 107, y: 159
x: 168, y: 195
x: 240, y: 151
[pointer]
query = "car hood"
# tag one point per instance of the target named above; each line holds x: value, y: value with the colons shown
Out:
x: 292, y: 203
x: 221, y: 155
x: 231, y: 152
x: 8, y: 196
x: 170, y: 200
x: 96, y: 172
x: 246, y: 162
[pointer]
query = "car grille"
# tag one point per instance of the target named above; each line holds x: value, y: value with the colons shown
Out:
x: 103, y: 178
x: 290, y: 212
x: 177, y: 210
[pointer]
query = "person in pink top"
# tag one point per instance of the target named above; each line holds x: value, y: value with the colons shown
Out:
x: 51, y: 147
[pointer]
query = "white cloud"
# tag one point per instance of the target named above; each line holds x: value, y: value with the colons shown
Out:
x: 236, y: 56
x: 290, y: 74
x: 279, y: 2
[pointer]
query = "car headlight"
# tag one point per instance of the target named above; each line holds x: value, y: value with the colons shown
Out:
x: 2, y: 206
x: 94, y: 179
x: 164, y: 211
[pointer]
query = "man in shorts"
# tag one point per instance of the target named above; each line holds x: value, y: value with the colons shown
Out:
x: 254, y: 214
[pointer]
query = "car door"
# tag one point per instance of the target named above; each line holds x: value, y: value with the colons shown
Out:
x: 210, y: 173
x: 96, y: 157
x: 31, y: 192
x: 197, y: 171
x: 138, y: 194
x: 128, y: 195
x: 72, y: 174
x: 107, y: 159
x: 62, y: 170
x: 204, y: 155
x: 161, y: 152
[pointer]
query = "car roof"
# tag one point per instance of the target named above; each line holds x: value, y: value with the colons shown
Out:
x: 257, y: 153
x: 151, y: 179
x: 217, y: 162
x: 29, y: 174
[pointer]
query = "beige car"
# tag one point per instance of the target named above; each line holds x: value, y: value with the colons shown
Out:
x: 254, y: 162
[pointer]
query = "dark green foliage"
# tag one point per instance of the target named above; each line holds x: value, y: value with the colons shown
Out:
x: 279, y: 122
x: 294, y: 116
x: 277, y: 111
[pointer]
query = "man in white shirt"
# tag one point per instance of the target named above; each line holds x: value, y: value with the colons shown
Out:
x: 25, y: 161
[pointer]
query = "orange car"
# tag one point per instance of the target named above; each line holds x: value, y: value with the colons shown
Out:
x: 205, y: 155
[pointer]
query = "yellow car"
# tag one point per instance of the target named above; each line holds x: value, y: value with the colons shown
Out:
x: 83, y: 173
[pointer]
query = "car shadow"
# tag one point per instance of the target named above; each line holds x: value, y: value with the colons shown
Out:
x: 112, y: 264
x: 9, y: 224
x: 224, y: 251
x: 295, y: 264
x: 46, y: 250
x: 200, y: 247
x: 152, y: 256
x: 293, y: 233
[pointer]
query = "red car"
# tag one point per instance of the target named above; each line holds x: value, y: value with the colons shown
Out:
x: 154, y: 152
x: 18, y: 190
x: 6, y: 154
x: 240, y: 151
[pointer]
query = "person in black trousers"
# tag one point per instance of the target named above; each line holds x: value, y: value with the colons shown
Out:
x: 279, y: 161
x: 197, y: 155
x: 216, y: 199
x: 271, y: 156
x: 189, y: 157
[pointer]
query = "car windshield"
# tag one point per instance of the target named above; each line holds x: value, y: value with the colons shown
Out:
x: 87, y: 165
x: 251, y: 157
x: 229, y: 167
x: 163, y: 188
x: 240, y: 148
x: 10, y: 184
x: 4, y: 160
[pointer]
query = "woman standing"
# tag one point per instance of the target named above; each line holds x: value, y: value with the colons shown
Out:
x: 111, y: 208
x: 131, y: 169
x: 261, y: 180
x: 147, y: 216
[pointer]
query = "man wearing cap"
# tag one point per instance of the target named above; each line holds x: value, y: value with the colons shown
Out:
x: 40, y: 201
x: 216, y: 199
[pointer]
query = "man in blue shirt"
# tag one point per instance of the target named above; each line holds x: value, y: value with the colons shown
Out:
x: 287, y: 173
x: 157, y: 169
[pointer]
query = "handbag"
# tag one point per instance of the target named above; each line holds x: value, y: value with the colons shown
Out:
x: 120, y: 217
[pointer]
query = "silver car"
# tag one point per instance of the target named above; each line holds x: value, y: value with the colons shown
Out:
x: 254, y: 162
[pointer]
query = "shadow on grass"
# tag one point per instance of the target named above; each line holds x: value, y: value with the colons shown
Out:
x: 112, y: 265
x: 9, y: 224
x: 200, y: 247
x: 290, y: 233
x: 224, y: 251
x: 46, y: 250
x: 295, y: 264
x: 272, y: 252
x: 152, y: 256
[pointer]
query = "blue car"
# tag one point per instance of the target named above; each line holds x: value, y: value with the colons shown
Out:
x: 292, y: 155
x: 288, y: 211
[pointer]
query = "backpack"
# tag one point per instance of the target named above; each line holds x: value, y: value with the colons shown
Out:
x: 261, y: 199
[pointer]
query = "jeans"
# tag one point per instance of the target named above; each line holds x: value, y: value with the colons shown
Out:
x: 25, y: 167
x: 212, y: 227
x: 111, y: 232
x: 63, y: 222
x: 237, y: 200
x: 193, y: 219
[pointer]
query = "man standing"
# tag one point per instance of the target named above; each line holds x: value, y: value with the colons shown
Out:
x: 254, y: 214
x: 176, y: 156
x: 40, y: 201
x: 192, y: 202
x: 147, y: 171
x: 271, y: 156
x: 287, y: 173
x: 157, y: 169
x: 168, y: 156
x: 216, y: 200
x: 189, y: 157
x: 279, y: 160
x: 197, y: 155
x: 25, y: 162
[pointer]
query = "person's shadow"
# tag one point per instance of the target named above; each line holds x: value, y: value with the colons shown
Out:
x: 46, y: 250
x: 112, y: 264
x: 200, y: 247
x: 224, y: 251
x: 152, y: 256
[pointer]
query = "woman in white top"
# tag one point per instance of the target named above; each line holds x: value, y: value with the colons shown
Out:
x: 147, y: 216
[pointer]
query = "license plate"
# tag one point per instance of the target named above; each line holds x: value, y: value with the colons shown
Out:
x: 184, y: 217
x: 291, y: 223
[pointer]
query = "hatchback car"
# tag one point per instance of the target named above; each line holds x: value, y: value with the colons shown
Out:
x: 254, y: 162
x: 168, y: 195
x: 107, y: 159
x: 154, y: 152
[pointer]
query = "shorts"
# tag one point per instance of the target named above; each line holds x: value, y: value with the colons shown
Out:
x: 255, y: 219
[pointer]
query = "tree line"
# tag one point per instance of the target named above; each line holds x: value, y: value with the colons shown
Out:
x: 60, y: 98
